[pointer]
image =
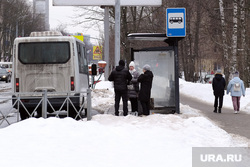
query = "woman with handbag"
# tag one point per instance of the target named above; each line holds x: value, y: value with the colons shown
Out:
x: 133, y: 89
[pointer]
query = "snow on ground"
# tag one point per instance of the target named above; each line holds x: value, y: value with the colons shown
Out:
x: 4, y: 85
x: 103, y: 97
x: 110, y: 141
x: 106, y: 140
x: 204, y: 92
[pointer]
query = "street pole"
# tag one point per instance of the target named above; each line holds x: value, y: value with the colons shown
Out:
x: 177, y: 90
x: 46, y: 19
x: 117, y: 31
x: 106, y: 41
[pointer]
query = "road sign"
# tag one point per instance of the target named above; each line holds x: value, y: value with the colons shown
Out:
x: 80, y: 37
x: 106, y: 3
x: 97, y: 53
x: 176, y: 22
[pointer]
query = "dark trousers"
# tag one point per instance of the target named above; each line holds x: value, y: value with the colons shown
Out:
x: 134, y: 104
x: 145, y: 107
x: 118, y: 96
x: 220, y: 98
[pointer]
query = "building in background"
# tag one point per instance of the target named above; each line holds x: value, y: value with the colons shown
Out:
x: 41, y: 7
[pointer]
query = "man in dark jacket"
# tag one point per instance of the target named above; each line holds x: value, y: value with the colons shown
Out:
x: 218, y: 85
x: 121, y: 78
x: 146, y: 80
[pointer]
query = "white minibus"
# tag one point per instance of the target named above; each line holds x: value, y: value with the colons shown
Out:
x: 49, y: 61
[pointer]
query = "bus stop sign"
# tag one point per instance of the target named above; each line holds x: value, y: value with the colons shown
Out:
x: 176, y: 22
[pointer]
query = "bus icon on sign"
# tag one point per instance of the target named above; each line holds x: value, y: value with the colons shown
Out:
x: 175, y: 20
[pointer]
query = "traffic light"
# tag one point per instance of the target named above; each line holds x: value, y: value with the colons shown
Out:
x: 94, y: 69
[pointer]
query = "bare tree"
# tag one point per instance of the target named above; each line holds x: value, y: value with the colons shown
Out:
x: 234, y: 36
x: 17, y: 20
x: 244, y: 64
x: 217, y: 33
x: 224, y: 38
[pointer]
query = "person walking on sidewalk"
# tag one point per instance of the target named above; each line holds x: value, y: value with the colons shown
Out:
x: 133, y: 88
x: 237, y: 89
x: 218, y: 85
x: 145, y: 90
x: 121, y: 77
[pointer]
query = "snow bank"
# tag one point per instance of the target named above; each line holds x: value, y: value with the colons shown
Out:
x: 107, y: 140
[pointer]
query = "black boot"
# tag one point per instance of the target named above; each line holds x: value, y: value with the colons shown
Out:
x: 215, y: 109
x: 219, y: 111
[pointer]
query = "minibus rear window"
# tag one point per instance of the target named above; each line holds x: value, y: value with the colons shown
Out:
x: 44, y: 52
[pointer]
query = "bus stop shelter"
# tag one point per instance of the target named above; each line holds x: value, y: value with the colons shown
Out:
x: 164, y: 65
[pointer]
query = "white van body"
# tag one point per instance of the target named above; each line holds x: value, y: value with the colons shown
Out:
x: 48, y: 60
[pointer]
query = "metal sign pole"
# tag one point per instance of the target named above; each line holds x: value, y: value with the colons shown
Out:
x: 177, y: 92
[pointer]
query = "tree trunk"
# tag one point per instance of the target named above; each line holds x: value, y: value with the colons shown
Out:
x: 197, y: 34
x: 224, y: 40
x: 244, y: 57
x: 234, y: 37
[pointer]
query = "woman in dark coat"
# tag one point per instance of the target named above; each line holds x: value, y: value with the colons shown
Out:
x: 218, y: 85
x: 146, y: 80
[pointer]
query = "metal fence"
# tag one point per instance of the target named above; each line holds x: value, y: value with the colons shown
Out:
x: 42, y: 104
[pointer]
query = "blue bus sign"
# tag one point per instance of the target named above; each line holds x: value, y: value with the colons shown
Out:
x: 176, y: 22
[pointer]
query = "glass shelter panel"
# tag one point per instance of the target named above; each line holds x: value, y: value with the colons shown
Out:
x: 162, y: 65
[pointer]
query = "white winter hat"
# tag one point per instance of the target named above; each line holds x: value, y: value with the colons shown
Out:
x: 132, y: 64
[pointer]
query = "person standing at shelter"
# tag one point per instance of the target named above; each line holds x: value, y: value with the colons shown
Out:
x: 146, y: 80
x: 237, y: 89
x: 121, y: 77
x: 133, y: 88
x: 218, y: 85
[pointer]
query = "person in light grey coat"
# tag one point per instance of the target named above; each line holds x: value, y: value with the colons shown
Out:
x: 133, y: 88
x: 237, y: 89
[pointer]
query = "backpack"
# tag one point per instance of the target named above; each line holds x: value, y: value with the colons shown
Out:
x: 237, y: 87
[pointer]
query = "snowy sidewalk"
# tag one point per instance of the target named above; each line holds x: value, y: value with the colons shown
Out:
x: 232, y: 123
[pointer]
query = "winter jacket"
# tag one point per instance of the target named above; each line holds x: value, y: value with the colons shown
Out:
x: 146, y: 80
x: 218, y: 85
x: 121, y: 78
x: 133, y: 87
x: 230, y: 87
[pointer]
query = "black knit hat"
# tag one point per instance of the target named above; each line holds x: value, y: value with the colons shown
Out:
x: 121, y: 63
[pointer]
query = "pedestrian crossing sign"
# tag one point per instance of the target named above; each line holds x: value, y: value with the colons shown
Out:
x: 97, y: 53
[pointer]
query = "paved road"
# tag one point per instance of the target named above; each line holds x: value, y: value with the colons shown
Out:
x: 232, y: 123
